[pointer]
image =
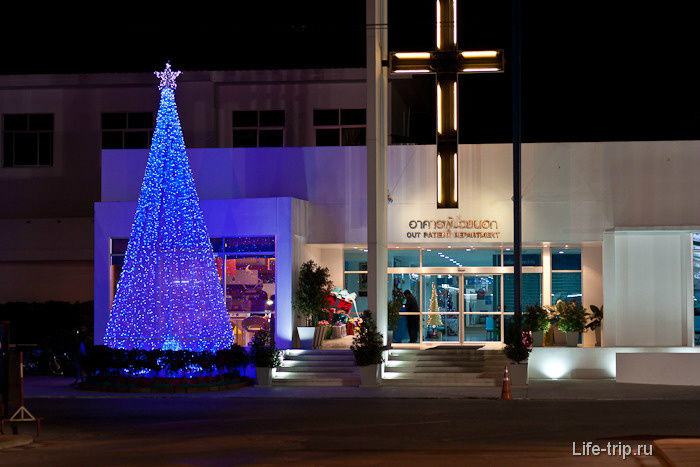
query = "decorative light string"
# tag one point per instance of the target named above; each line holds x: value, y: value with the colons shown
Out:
x: 169, y: 295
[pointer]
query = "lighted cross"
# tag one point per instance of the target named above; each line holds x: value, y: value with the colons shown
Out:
x: 447, y: 63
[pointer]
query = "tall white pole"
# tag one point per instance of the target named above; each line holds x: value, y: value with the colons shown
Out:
x: 377, y: 87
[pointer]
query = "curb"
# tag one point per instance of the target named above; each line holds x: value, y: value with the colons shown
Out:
x: 14, y: 441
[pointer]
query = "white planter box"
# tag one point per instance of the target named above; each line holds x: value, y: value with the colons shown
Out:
x: 306, y: 336
x: 518, y: 374
x: 572, y: 339
x: 264, y: 376
x: 537, y: 338
x: 369, y: 376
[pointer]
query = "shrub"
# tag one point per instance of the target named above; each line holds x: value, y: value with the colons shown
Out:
x: 536, y: 318
x: 367, y: 346
x: 394, y: 307
x: 313, y: 286
x: 572, y: 316
x: 263, y: 351
x: 515, y: 348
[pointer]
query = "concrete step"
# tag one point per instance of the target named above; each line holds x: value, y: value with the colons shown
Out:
x: 317, y: 369
x: 318, y: 352
x: 317, y: 363
x: 436, y: 377
x: 435, y: 369
x: 319, y: 358
x: 317, y: 382
x: 414, y: 382
x: 433, y: 358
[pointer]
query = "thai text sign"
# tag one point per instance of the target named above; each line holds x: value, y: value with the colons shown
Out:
x: 453, y: 227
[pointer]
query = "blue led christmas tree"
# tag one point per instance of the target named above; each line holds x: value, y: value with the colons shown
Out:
x: 169, y: 296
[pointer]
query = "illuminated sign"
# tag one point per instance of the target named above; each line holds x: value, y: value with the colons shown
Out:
x: 453, y: 227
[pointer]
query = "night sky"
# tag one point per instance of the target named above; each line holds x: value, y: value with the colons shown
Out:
x: 593, y: 71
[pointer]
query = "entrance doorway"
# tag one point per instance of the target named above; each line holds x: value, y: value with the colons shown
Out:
x: 469, y: 308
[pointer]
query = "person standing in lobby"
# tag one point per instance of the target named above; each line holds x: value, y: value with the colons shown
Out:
x: 412, y: 320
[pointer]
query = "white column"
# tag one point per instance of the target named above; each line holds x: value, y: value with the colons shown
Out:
x: 377, y: 87
x: 546, y: 276
x: 591, y: 283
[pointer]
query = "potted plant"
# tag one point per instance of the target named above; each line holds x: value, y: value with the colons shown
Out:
x: 367, y: 347
x: 264, y: 355
x: 313, y: 287
x: 596, y: 316
x: 393, y: 307
x: 536, y: 322
x: 572, y: 320
x: 517, y: 352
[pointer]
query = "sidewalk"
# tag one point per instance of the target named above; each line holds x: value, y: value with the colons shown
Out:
x: 15, y: 441
x: 54, y: 387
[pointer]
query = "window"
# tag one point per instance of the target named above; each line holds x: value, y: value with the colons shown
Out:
x: 340, y: 127
x: 253, y: 128
x: 127, y: 130
x: 28, y: 140
x: 566, y: 275
x: 461, y: 257
x: 246, y: 269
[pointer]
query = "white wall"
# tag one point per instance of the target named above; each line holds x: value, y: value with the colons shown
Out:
x: 572, y: 192
x: 647, y: 288
x: 598, y: 362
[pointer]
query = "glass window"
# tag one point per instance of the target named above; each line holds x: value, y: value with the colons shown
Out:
x: 272, y: 118
x: 482, y: 328
x: 566, y: 259
x: 328, y: 137
x: 461, y: 257
x: 353, y: 117
x: 446, y: 292
x: 245, y: 138
x: 353, y: 137
x: 271, y: 138
x: 531, y: 290
x: 140, y: 120
x: 566, y: 286
x: 28, y: 140
x: 126, y: 130
x: 119, y: 245
x: 440, y: 327
x: 325, y: 117
x: 482, y: 293
x: 404, y: 258
x: 355, y: 260
x: 357, y: 283
x: 242, y: 245
x: 530, y: 257
x: 245, y: 118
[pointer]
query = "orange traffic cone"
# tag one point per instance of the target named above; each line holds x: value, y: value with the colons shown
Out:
x: 506, y: 393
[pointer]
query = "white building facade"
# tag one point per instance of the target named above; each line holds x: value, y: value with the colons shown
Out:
x: 607, y: 223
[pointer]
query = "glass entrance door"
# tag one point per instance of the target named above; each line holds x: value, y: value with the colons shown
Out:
x: 441, y: 322
x: 482, y: 315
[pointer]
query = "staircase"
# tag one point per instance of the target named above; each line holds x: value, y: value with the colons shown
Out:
x: 461, y: 366
x: 317, y: 368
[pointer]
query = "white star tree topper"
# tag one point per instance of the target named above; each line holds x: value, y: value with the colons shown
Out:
x: 167, y: 77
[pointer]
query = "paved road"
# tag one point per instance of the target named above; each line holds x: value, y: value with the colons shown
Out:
x: 237, y: 431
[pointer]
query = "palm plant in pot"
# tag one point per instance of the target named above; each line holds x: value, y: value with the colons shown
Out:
x: 367, y: 347
x: 596, y: 316
x: 313, y: 287
x: 517, y: 352
x: 536, y: 322
x: 265, y: 356
x: 572, y: 320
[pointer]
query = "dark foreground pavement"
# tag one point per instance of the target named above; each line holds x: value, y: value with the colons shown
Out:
x: 360, y: 431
